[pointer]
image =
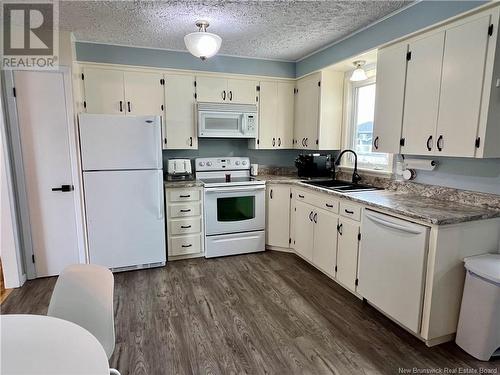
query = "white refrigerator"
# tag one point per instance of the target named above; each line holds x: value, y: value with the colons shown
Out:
x: 123, y: 189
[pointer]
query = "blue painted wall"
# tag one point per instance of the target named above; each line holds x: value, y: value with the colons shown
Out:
x: 414, y: 18
x: 158, y: 58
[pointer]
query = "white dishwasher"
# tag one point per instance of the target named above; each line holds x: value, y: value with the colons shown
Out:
x: 392, y: 263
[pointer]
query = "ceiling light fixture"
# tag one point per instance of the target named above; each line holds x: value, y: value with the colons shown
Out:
x: 359, y: 73
x: 201, y: 43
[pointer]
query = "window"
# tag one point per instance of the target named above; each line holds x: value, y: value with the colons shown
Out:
x: 361, y: 107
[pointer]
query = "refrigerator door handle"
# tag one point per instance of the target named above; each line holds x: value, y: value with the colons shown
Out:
x: 160, y: 194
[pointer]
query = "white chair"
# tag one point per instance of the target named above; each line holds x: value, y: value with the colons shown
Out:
x: 84, y: 295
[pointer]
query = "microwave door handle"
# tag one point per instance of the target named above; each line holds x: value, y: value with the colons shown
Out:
x: 243, y: 124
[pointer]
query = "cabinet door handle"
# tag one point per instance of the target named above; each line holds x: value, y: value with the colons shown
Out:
x: 274, y: 141
x: 185, y: 196
x: 224, y: 95
x: 301, y: 196
x: 185, y: 226
x: 64, y: 188
x: 339, y: 229
x: 279, y: 142
x: 187, y: 245
x: 310, y: 216
x: 230, y: 95
x: 315, y: 217
x: 271, y: 194
x: 439, y: 143
x: 121, y: 106
x: 190, y: 141
x: 128, y: 106
x: 306, y: 141
x: 186, y: 210
x: 348, y: 212
x: 329, y: 205
x: 428, y: 144
x: 375, y: 143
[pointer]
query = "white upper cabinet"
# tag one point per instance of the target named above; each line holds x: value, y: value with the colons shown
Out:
x: 448, y: 90
x: 110, y: 91
x: 276, y: 111
x: 103, y: 91
x: 461, y: 87
x: 318, y: 111
x: 242, y: 91
x: 389, y: 98
x: 143, y: 93
x: 223, y: 90
x: 180, y: 124
x: 423, y: 82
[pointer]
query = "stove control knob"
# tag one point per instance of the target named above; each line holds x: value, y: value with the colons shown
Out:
x: 237, y: 162
x: 209, y: 163
x: 201, y: 163
x: 244, y: 162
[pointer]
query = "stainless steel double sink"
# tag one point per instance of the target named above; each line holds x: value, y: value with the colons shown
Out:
x: 340, y: 186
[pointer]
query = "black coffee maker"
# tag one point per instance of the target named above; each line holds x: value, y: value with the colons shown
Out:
x: 315, y: 165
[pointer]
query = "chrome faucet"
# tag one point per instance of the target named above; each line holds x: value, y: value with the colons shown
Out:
x: 355, y: 176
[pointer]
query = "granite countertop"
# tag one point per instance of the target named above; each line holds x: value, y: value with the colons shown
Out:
x: 429, y: 210
x: 425, y: 209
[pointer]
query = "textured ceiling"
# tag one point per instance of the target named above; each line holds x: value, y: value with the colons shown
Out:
x: 286, y: 30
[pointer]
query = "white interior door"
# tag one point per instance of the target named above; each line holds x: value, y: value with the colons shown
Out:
x: 423, y: 83
x: 45, y: 146
x: 461, y: 87
x: 180, y: 123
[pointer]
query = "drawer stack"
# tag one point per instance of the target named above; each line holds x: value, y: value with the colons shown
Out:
x: 184, y: 222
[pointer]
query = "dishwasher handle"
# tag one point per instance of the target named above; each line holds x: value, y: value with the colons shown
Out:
x: 390, y: 224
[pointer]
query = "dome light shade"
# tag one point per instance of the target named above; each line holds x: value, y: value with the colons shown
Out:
x: 202, y: 44
x: 359, y: 73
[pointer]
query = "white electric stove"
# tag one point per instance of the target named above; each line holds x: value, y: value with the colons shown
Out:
x: 234, y: 206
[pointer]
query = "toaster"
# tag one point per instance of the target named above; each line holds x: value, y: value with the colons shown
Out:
x: 179, y: 169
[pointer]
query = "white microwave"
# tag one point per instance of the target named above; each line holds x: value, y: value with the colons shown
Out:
x: 227, y: 120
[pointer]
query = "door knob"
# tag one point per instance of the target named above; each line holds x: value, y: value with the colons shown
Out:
x: 64, y: 188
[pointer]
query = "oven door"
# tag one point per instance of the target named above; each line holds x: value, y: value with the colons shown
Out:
x: 221, y: 124
x: 234, y: 209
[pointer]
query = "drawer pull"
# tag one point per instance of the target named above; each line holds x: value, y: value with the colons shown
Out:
x: 185, y: 226
x: 187, y: 210
x: 185, y: 196
x: 301, y: 196
x: 348, y: 212
x: 187, y: 245
x: 329, y: 205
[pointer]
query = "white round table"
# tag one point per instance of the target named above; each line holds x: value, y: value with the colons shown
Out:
x: 38, y: 344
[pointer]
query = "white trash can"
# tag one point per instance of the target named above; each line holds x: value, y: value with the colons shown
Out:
x: 478, y: 331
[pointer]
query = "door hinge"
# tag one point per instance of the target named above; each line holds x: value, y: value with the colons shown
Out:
x: 359, y: 236
x: 289, y: 241
x: 356, y: 282
x: 490, y: 30
x: 194, y: 83
x: 258, y: 88
x: 335, y: 268
x: 83, y: 77
x: 84, y: 104
x: 165, y: 140
x: 162, y: 81
x: 14, y: 91
x: 317, y: 141
x: 258, y: 141
x: 291, y: 195
x: 408, y: 56
x: 319, y: 83
x: 295, y: 91
x: 195, y: 95
x: 33, y: 258
x: 162, y: 107
x: 402, y: 142
x: 478, y: 142
x: 256, y: 98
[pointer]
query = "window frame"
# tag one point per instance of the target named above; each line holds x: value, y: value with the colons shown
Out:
x: 350, y: 110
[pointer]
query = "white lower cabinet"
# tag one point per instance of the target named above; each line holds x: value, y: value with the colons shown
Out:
x: 304, y: 227
x: 278, y: 216
x: 185, y: 234
x: 324, y: 253
x: 347, y: 252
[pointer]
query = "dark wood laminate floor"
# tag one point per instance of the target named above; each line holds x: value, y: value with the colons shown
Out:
x: 268, y: 313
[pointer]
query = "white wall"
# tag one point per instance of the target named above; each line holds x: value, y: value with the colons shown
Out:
x: 9, y: 240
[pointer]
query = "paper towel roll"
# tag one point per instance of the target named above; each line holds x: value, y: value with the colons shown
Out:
x: 423, y: 164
